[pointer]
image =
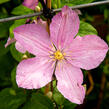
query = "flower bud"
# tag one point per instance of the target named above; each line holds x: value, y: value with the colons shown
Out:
x: 49, y: 94
x: 24, y: 57
x: 37, y: 9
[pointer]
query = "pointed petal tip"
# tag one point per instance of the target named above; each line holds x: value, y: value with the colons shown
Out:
x: 64, y: 27
x: 74, y: 99
x: 69, y: 83
x: 10, y: 41
x: 65, y: 10
x: 6, y: 45
x: 77, y: 101
x: 65, y: 7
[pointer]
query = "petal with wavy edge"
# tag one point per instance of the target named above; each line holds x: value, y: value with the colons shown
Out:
x: 87, y: 52
x: 64, y: 27
x: 34, y: 73
x: 69, y: 83
x: 34, y: 38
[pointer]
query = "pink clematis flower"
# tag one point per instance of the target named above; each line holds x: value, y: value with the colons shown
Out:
x: 31, y: 3
x: 60, y: 54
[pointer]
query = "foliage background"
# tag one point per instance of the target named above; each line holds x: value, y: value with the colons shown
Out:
x: 12, y: 97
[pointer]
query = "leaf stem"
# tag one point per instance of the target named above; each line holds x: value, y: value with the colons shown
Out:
x: 48, y: 3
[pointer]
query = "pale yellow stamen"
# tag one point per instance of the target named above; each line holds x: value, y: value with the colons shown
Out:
x: 58, y: 55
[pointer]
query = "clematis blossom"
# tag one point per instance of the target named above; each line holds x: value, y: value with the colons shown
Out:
x: 61, y: 54
x: 31, y: 3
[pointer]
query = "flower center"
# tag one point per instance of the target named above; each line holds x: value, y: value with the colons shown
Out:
x: 58, y: 55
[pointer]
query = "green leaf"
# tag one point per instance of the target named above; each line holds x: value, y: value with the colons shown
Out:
x: 107, y: 38
x: 16, y: 54
x: 4, y: 27
x: 6, y: 66
x: 16, y: 24
x: 21, y: 10
x: 106, y: 14
x: 13, y: 77
x: 75, y: 2
x: 106, y: 69
x: 11, y: 99
x: 54, y: 4
x: 3, y: 13
x: 68, y: 105
x: 4, y: 1
x: 86, y: 29
x: 38, y: 101
x: 58, y: 3
x: 3, y: 50
x: 58, y: 97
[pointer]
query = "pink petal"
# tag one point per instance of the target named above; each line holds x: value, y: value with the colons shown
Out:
x: 20, y: 47
x: 64, y: 27
x: 30, y: 3
x: 34, y: 73
x: 41, y: 22
x: 87, y: 52
x: 10, y: 41
x: 70, y: 79
x: 34, y: 38
x: 78, y: 11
